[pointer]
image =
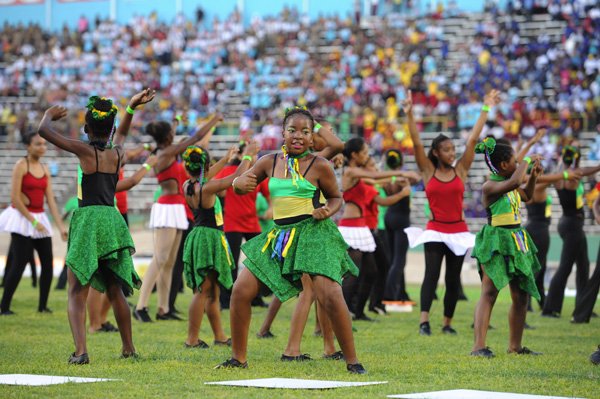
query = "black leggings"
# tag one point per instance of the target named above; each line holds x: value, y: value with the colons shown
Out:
x: 382, y: 263
x: 540, y: 234
x: 395, y: 288
x: 9, y: 262
x: 177, y: 274
x: 357, y: 289
x: 434, y: 255
x: 22, y: 251
x: 234, y: 238
x: 574, y: 250
x: 585, y: 305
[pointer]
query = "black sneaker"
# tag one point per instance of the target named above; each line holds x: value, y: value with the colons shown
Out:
x: 232, y: 363
x: 425, y: 328
x: 7, y: 313
x: 551, y: 315
x: 449, y: 330
x: 108, y: 327
x: 142, y: 315
x: 362, y: 317
x: 339, y: 355
x: 595, y: 357
x: 356, y: 368
x: 45, y: 310
x: 268, y: 334
x: 378, y: 309
x: 81, y: 359
x: 200, y: 345
x: 300, y: 358
x: 484, y: 352
x: 526, y: 351
x: 227, y: 342
x: 130, y: 355
x: 168, y: 316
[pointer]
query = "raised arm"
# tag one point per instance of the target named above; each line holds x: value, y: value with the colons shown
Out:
x: 326, y: 142
x: 216, y: 185
x: 589, y: 170
x: 143, y: 97
x: 220, y: 164
x: 492, y: 190
x: 360, y: 173
x: 136, y: 178
x: 527, y: 192
x: 47, y: 131
x: 530, y: 143
x: 179, y: 148
x: 423, y: 162
x: 464, y: 163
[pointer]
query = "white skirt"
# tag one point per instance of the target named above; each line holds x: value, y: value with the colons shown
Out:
x: 168, y: 215
x: 359, y: 238
x: 459, y: 243
x: 13, y: 221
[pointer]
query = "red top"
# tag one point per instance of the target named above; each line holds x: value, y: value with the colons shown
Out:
x: 121, y: 197
x: 361, y: 195
x: 372, y: 209
x: 34, y: 189
x: 239, y: 212
x: 446, y: 204
x: 177, y: 172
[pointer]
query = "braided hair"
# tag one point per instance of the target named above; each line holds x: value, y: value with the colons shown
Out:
x: 100, y: 116
x: 196, y: 161
x: 393, y: 159
x: 495, y: 151
x: 297, y: 110
x: 435, y: 145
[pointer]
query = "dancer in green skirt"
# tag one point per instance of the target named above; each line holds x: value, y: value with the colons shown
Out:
x: 505, y: 253
x: 100, y: 246
x: 304, y: 239
x: 207, y: 257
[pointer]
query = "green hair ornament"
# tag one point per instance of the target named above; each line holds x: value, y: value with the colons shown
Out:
x: 96, y: 113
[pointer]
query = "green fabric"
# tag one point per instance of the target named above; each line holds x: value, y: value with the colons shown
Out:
x: 579, y: 194
x: 285, y: 188
x: 508, y: 203
x: 316, y: 249
x: 499, y: 256
x: 218, y: 207
x: 427, y: 210
x: 99, y: 233
x: 203, y: 252
x: 71, y: 205
x: 262, y: 205
x: 382, y: 209
x: 157, y: 193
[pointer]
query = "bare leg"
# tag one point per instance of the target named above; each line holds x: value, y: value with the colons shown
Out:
x: 196, y: 312
x: 77, y: 297
x: 516, y: 316
x: 483, y: 311
x: 121, y: 311
x: 326, y: 329
x: 213, y: 310
x: 274, y: 307
x: 94, y: 308
x: 318, y: 329
x: 245, y: 289
x: 299, y: 317
x: 329, y: 295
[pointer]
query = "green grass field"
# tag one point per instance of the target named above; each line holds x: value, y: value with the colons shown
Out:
x: 390, y: 349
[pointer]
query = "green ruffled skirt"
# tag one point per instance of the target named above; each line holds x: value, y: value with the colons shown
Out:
x: 99, y: 233
x: 507, y: 255
x: 280, y: 256
x: 206, y: 249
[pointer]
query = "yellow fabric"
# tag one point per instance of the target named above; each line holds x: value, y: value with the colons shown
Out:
x: 287, y: 207
x: 505, y: 219
x: 289, y: 243
x: 226, y: 246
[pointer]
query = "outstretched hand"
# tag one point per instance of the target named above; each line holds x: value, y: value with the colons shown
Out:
x: 56, y: 112
x: 537, y: 169
x: 492, y: 98
x: 143, y: 97
x: 407, y: 103
x: 538, y: 135
x: 251, y: 148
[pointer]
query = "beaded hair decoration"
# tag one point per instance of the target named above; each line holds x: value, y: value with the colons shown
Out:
x: 196, y: 164
x: 487, y: 147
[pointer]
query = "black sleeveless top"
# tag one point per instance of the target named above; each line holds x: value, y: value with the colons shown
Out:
x: 401, y: 207
x: 569, y: 202
x: 536, y: 212
x: 99, y: 188
x: 205, y: 217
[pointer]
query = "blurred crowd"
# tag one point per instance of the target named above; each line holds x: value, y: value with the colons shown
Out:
x: 353, y: 71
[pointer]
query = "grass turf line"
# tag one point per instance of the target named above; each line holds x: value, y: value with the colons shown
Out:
x: 390, y: 349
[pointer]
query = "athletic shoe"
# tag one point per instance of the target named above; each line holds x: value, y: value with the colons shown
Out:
x: 339, y: 355
x: 232, y: 363
x: 425, y: 329
x: 362, y: 317
x: 299, y: 358
x: 7, y: 313
x: 200, y: 345
x: 268, y: 334
x: 595, y: 357
x: 378, y: 309
x: 552, y: 315
x: 108, y: 327
x: 45, y: 310
x: 356, y: 368
x: 81, y: 359
x: 142, y: 315
x: 227, y: 342
x: 484, y: 352
x: 526, y: 351
x: 449, y: 330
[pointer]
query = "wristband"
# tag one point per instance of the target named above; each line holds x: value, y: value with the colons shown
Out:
x: 147, y: 146
x: 148, y: 167
x: 35, y: 222
x: 485, y: 108
x: 129, y: 110
x: 566, y: 175
x: 528, y: 160
x: 317, y: 128
x: 393, y: 179
x: 178, y: 118
x: 247, y: 158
